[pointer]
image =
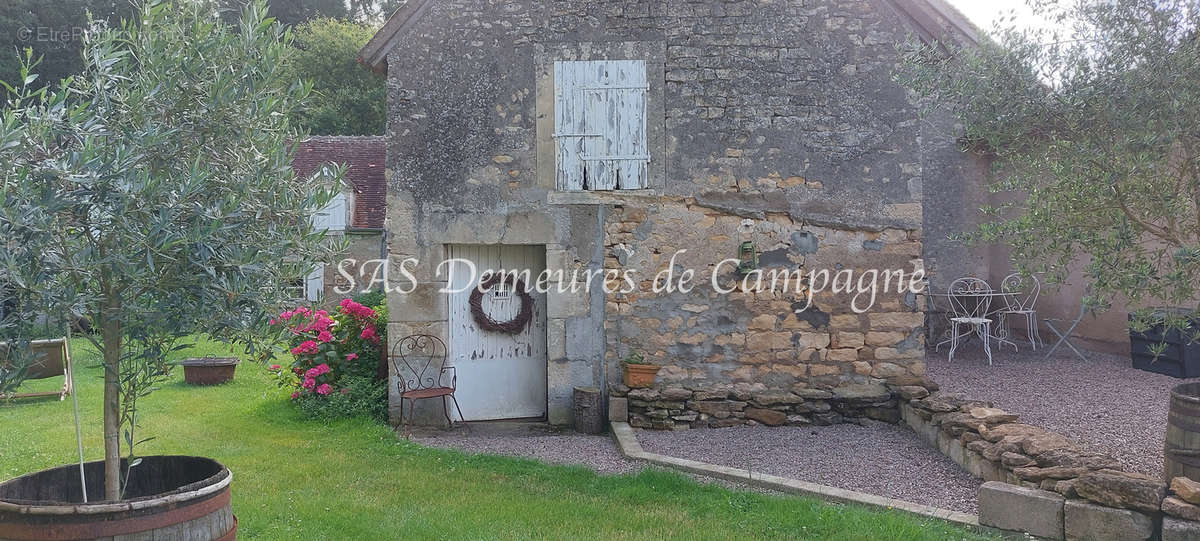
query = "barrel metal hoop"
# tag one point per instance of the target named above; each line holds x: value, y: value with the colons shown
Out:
x: 1181, y: 422
x: 232, y: 534
x: 125, y: 526
x: 1186, y: 409
x: 1190, y: 457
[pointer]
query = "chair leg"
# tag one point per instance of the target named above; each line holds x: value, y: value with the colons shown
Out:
x: 1031, y: 330
x: 460, y: 415
x: 412, y: 410
x: 1033, y: 322
x: 446, y: 412
x: 953, y: 340
x: 985, y: 335
x: 401, y: 419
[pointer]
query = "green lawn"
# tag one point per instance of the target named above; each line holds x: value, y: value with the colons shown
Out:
x: 295, y: 479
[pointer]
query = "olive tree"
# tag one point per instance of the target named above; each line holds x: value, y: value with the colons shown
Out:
x: 1093, y: 124
x: 152, y: 195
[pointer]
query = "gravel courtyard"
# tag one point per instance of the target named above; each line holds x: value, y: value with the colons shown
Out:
x: 882, y: 459
x: 1104, y: 403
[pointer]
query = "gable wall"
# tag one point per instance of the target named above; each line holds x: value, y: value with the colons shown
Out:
x: 779, y: 112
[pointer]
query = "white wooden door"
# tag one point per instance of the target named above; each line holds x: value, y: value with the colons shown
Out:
x: 500, y: 375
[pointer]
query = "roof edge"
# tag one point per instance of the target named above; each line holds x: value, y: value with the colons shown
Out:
x: 937, y: 23
x: 373, y: 55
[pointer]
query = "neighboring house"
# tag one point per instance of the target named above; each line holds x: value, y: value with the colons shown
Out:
x: 357, y: 214
x: 603, y: 135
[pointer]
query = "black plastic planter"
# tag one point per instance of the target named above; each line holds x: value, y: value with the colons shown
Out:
x: 1180, y: 359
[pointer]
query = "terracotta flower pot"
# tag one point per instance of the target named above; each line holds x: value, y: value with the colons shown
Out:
x: 640, y: 375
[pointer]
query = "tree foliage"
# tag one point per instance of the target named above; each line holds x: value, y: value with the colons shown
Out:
x: 153, y: 195
x: 296, y: 12
x: 54, y: 31
x: 1094, y: 126
x: 349, y: 99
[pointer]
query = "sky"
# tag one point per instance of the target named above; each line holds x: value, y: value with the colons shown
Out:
x: 984, y: 12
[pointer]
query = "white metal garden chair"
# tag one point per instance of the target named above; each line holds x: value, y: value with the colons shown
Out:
x: 1021, y: 295
x: 970, y: 300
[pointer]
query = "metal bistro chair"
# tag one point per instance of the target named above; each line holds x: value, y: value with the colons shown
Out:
x: 977, y: 295
x: 420, y: 365
x: 1021, y: 295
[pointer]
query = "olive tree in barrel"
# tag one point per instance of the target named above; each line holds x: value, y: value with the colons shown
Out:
x: 152, y: 195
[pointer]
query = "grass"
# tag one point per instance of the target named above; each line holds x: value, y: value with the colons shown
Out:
x: 295, y: 479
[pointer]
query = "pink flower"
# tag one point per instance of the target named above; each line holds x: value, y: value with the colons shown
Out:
x: 274, y: 367
x: 351, y: 356
x: 308, y: 347
x: 324, y: 389
x: 355, y: 309
x: 272, y: 322
x: 323, y: 369
x: 325, y: 336
x: 320, y: 323
x: 368, y: 333
x: 311, y: 373
x: 309, y: 383
x: 295, y: 395
x: 286, y: 315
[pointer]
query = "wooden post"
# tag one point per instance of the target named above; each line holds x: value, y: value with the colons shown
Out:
x: 589, y: 410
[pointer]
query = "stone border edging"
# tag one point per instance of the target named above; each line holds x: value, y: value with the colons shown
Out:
x: 628, y: 445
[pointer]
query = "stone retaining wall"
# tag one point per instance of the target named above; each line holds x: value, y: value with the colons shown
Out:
x: 1043, y: 483
x: 676, y: 407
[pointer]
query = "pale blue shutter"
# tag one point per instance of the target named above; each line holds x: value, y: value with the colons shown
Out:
x: 333, y: 216
x: 600, y: 124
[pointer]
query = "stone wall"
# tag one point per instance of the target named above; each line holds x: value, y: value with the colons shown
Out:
x: 1041, y: 482
x: 723, y: 405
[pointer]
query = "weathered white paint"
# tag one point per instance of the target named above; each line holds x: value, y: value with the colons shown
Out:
x: 600, y: 124
x: 314, y: 283
x: 333, y: 216
x: 500, y: 376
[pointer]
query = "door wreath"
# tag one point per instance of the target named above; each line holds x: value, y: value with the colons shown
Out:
x: 485, y: 322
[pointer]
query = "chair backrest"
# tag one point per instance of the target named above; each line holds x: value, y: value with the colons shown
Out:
x: 1022, y: 292
x: 418, y: 361
x: 49, y: 358
x: 969, y: 297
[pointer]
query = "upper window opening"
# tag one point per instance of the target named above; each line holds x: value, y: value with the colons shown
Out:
x: 600, y: 124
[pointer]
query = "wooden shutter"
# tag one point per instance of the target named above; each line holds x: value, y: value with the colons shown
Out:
x: 333, y: 216
x: 314, y: 283
x: 600, y: 124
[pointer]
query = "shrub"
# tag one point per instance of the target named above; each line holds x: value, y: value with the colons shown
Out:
x: 358, y: 397
x: 371, y: 298
x: 336, y: 357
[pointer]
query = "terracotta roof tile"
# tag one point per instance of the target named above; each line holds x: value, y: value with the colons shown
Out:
x: 364, y: 157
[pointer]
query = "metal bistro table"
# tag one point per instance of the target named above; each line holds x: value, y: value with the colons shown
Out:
x: 997, y: 301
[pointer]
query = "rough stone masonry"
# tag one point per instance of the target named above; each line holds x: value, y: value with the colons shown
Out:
x: 775, y: 122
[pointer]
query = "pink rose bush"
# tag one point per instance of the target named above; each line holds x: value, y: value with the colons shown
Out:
x: 331, y: 350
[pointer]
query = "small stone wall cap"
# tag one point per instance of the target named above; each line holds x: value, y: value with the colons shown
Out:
x: 1187, y: 489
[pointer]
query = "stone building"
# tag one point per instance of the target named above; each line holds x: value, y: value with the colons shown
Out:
x: 356, y: 215
x: 638, y: 136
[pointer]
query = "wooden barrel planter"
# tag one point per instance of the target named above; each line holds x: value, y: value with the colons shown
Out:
x: 208, y: 370
x: 1181, y: 453
x: 168, y: 498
